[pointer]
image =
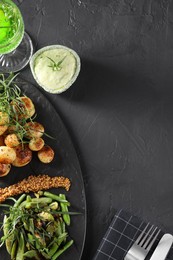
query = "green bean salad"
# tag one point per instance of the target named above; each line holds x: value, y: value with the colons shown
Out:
x: 36, y: 227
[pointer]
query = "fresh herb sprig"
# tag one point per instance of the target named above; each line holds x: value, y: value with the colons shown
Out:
x: 10, y: 93
x: 12, y: 105
x: 7, y: 92
x: 56, y: 66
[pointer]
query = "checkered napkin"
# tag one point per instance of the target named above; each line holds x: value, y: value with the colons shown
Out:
x: 121, y: 234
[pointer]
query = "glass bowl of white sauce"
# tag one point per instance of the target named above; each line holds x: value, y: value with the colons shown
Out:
x: 55, y: 68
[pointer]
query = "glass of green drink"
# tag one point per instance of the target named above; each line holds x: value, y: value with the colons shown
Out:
x: 15, y: 44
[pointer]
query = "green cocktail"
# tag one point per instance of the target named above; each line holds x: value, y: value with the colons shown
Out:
x: 15, y: 45
x: 11, y: 26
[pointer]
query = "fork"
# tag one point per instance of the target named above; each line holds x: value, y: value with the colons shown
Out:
x: 143, y: 244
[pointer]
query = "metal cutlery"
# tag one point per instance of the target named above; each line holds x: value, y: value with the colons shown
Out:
x: 163, y: 248
x: 143, y: 243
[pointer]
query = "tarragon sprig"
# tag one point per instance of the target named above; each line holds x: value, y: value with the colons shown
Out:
x: 56, y: 66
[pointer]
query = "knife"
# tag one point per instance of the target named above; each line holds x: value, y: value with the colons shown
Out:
x: 163, y: 248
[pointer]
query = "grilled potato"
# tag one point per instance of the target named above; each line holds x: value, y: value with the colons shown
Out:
x: 4, y: 118
x: 4, y: 169
x: 34, y: 130
x: 11, y: 140
x: 36, y: 144
x: 46, y: 154
x: 7, y: 155
x: 3, y: 128
x: 12, y: 129
x: 23, y: 108
x: 23, y: 155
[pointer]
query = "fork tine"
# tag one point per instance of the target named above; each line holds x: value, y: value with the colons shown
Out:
x: 146, y: 236
x: 149, y: 238
x: 141, y: 234
x: 153, y: 240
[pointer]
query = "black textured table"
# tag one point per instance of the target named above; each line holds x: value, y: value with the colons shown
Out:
x: 119, y: 112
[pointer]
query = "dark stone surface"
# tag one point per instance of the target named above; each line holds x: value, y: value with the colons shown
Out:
x: 119, y: 112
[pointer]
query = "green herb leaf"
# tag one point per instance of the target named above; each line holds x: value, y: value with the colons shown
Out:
x: 56, y: 66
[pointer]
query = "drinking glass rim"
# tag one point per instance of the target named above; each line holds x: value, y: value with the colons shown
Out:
x: 20, y: 27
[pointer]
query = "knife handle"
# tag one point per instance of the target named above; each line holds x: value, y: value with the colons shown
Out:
x: 163, y: 248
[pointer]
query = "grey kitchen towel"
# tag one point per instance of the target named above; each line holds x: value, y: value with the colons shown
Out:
x: 121, y: 234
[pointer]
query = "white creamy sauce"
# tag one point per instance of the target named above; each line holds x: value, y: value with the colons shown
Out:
x: 55, y: 79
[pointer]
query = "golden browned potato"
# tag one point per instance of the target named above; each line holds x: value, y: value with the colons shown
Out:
x: 4, y: 169
x: 12, y: 129
x: 15, y: 129
x: 36, y: 144
x: 46, y: 154
x: 2, y: 140
x: 29, y: 106
x: 4, y: 118
x: 11, y: 140
x: 7, y: 154
x: 34, y: 130
x: 3, y: 128
x: 24, y: 108
x: 23, y: 155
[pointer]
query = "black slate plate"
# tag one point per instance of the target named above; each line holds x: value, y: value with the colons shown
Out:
x: 65, y: 164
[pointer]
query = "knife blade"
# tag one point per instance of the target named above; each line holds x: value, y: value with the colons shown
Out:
x: 163, y: 248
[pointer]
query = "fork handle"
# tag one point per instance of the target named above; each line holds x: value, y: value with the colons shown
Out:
x: 136, y: 253
x: 138, y: 256
x: 130, y: 257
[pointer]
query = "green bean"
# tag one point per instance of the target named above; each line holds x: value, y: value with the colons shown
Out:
x: 46, y: 256
x: 5, y: 225
x: 8, y: 243
x: 14, y: 250
x: 37, y: 226
x: 32, y: 254
x: 56, y: 197
x: 63, y: 226
x: 6, y: 230
x: 59, y: 252
x: 26, y: 227
x: 21, y: 248
x: 40, y: 201
x: 18, y: 202
x: 37, y: 244
x: 28, y: 198
x: 34, y: 201
x: 58, y: 230
x: 56, y: 245
x: 31, y: 225
x: 61, y: 238
x: 64, y: 207
x: 31, y: 239
x: 63, y: 229
x: 40, y: 242
x: 53, y: 249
